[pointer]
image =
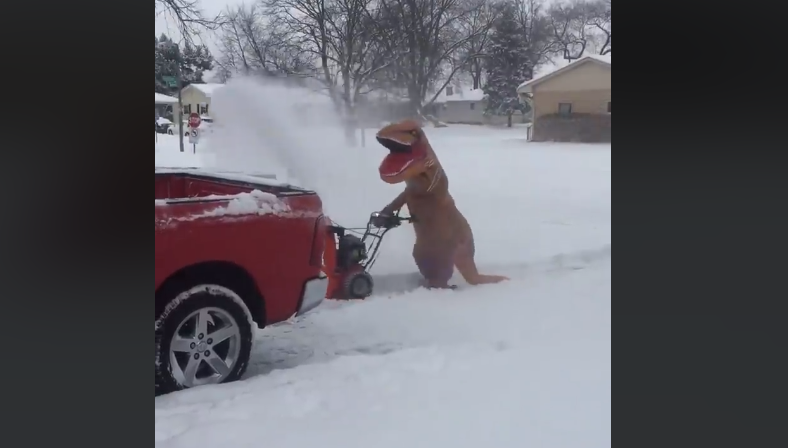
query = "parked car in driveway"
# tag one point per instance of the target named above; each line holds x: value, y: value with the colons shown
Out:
x: 162, y: 125
x: 232, y: 252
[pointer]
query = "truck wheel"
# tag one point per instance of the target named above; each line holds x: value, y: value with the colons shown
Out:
x: 204, y: 336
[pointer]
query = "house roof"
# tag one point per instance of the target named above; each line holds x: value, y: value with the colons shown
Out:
x: 460, y: 94
x: 469, y: 95
x: 164, y: 99
x: 207, y: 88
x: 527, y: 86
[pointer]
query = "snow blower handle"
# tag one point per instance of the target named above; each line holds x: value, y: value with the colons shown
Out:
x: 387, y: 221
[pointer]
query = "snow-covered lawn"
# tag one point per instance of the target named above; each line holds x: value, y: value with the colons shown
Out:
x: 168, y: 152
x: 520, y: 364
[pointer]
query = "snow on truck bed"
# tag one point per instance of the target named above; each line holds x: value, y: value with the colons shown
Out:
x: 255, y: 202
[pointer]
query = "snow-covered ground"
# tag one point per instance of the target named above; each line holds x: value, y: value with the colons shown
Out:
x: 520, y: 364
x: 168, y: 152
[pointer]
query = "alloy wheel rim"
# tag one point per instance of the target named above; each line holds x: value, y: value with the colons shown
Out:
x: 205, y: 347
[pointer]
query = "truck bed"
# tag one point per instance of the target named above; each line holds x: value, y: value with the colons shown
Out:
x: 183, y: 184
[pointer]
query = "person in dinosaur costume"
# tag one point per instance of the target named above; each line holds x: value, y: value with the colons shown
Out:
x: 443, y: 236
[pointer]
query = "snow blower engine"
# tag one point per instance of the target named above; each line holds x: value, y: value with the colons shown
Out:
x: 348, y: 258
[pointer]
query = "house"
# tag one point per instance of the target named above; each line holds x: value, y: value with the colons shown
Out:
x: 467, y: 106
x: 197, y: 98
x: 164, y: 105
x: 458, y: 105
x: 572, y: 103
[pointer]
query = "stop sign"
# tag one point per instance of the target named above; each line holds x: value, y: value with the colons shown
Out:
x: 194, y: 120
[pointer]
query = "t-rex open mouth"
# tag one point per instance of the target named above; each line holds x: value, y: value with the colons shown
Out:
x: 397, y: 164
x: 407, y: 150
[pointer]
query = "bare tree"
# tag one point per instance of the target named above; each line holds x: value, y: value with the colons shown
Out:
x: 233, y: 46
x: 536, y: 32
x: 341, y: 37
x: 188, y: 17
x: 577, y: 25
x: 568, y: 23
x: 423, y: 37
x: 600, y: 13
x: 341, y: 40
x: 306, y: 25
x: 253, y: 43
x: 473, y: 51
x: 355, y: 45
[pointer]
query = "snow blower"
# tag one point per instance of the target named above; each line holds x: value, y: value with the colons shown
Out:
x: 348, y: 258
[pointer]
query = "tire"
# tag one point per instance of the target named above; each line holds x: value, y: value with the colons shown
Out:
x: 184, y: 359
x: 169, y: 132
x: 359, y: 285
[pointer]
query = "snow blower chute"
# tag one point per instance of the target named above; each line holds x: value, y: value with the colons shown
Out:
x: 348, y: 258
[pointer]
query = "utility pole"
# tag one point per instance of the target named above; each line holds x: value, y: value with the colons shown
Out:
x: 179, y: 84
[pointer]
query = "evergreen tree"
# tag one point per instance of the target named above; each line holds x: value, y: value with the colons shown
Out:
x: 194, y: 61
x: 161, y: 69
x: 508, y: 65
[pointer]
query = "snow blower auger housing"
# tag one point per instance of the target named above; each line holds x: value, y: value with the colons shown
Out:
x: 348, y: 258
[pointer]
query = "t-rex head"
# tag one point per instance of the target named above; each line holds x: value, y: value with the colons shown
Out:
x: 410, y: 152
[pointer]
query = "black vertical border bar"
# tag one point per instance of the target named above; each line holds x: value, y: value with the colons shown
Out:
x: 701, y: 217
x: 75, y: 258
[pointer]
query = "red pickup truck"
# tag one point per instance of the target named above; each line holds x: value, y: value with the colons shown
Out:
x: 233, y: 252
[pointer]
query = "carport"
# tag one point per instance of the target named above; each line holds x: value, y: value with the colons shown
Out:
x: 162, y: 99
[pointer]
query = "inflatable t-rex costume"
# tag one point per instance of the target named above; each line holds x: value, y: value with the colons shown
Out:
x: 443, y: 236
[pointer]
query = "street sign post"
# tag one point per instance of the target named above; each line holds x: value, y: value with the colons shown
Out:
x: 194, y: 135
x: 194, y: 138
x: 171, y: 81
x: 194, y: 129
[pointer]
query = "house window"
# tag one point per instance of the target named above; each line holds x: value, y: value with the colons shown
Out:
x: 565, y: 109
x: 473, y: 106
x: 449, y: 91
x: 187, y: 109
x: 203, y: 109
x: 608, y: 106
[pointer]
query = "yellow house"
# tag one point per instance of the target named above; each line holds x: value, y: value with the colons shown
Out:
x: 572, y: 103
x: 197, y: 98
